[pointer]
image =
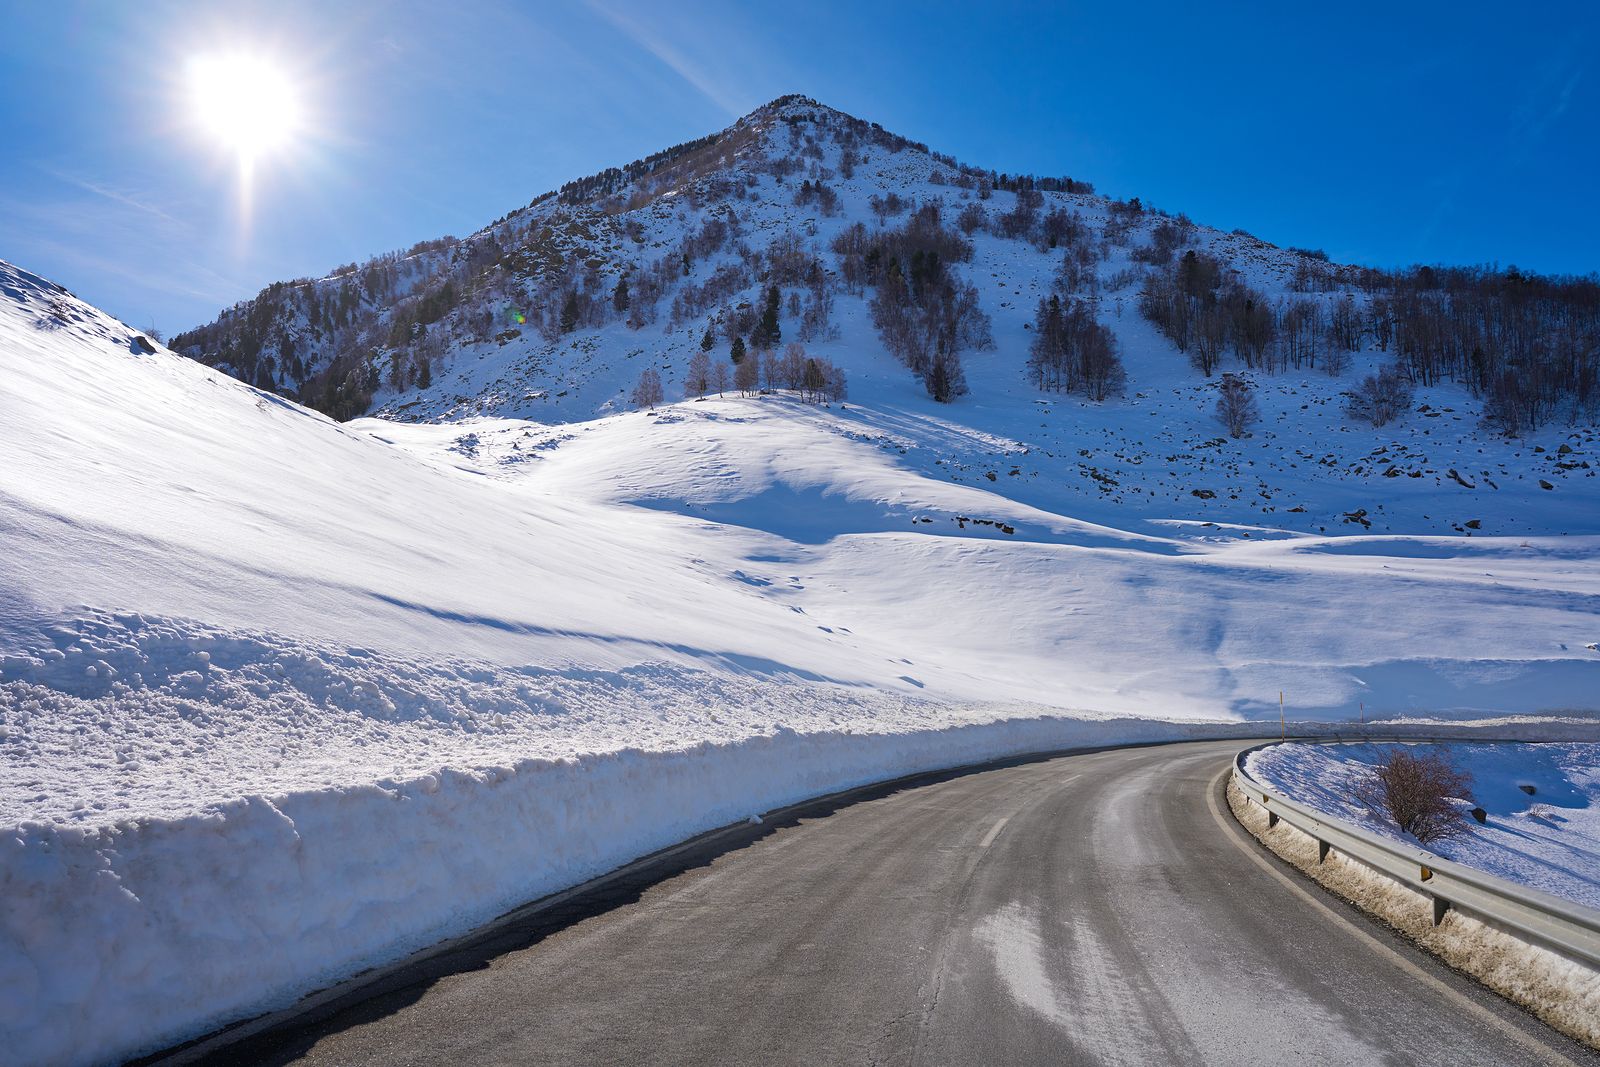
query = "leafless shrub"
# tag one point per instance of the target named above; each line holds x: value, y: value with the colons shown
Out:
x: 1415, y: 792
x: 1380, y: 398
x: 972, y: 219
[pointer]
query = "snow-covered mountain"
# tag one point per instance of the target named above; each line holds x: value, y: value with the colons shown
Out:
x: 282, y: 696
x: 552, y: 313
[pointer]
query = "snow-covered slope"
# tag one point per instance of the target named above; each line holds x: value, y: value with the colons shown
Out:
x: 281, y: 697
x: 864, y: 545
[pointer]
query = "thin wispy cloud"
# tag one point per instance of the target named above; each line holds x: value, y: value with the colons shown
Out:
x: 1544, y: 109
x: 669, y: 55
x: 116, y: 196
x: 203, y: 283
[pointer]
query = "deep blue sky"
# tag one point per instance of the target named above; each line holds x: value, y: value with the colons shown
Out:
x: 1384, y: 133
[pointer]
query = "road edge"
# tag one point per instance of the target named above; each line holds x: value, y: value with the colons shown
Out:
x: 1561, y: 992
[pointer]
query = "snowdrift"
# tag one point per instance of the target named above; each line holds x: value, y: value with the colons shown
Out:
x: 282, y: 698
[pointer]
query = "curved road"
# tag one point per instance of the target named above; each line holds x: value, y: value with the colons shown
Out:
x: 1091, y: 908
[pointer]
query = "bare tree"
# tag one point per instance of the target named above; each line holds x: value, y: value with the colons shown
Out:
x: 648, y: 393
x: 946, y: 380
x: 719, y: 377
x: 1209, y: 335
x: 792, y: 366
x: 1345, y: 326
x: 885, y: 206
x: 697, y: 380
x: 835, y: 388
x: 1072, y: 352
x: 816, y: 317
x: 747, y: 375
x: 1236, y: 405
x: 1250, y: 324
x: 1415, y: 792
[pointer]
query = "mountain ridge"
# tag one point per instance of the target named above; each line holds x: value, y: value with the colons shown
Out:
x: 248, y: 340
x: 800, y: 198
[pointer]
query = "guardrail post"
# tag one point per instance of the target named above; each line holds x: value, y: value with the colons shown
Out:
x: 1322, y: 850
x: 1440, y: 906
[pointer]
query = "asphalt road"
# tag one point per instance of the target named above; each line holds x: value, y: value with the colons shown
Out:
x: 1095, y: 908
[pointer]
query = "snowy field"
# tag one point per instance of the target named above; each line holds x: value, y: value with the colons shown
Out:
x: 282, y: 698
x: 1548, y: 839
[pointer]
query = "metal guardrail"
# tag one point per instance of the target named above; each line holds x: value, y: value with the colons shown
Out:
x: 1548, y: 920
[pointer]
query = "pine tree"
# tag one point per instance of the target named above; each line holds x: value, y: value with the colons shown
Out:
x: 619, y: 296
x: 708, y: 342
x: 768, y: 333
x: 737, y: 352
x: 424, y: 374
x: 569, y: 313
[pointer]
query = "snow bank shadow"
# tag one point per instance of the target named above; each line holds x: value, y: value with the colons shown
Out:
x: 1448, y: 548
x: 815, y: 516
x: 809, y: 516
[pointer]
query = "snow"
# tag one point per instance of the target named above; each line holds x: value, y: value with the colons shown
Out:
x: 282, y: 698
x: 121, y: 937
x: 1548, y: 840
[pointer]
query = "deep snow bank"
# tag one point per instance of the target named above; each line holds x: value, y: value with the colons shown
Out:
x: 1548, y: 839
x: 123, y: 938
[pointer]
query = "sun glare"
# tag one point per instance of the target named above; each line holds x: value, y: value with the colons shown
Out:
x: 245, y: 103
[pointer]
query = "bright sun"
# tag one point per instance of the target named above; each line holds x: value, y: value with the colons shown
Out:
x: 246, y: 103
